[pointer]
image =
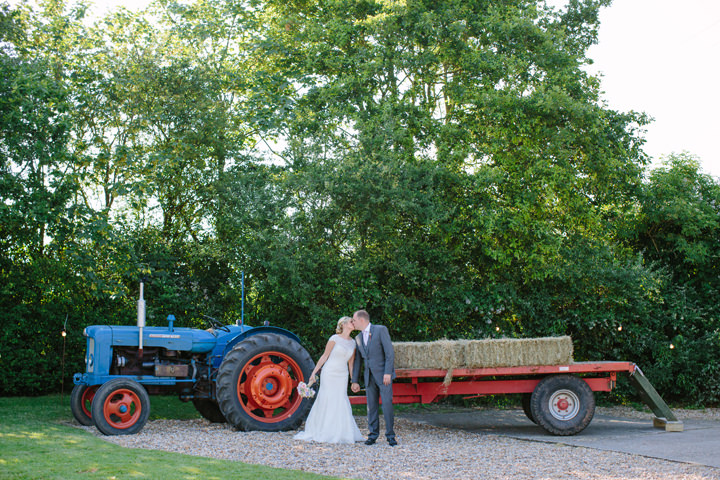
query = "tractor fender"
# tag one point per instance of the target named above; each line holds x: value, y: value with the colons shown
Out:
x: 256, y: 331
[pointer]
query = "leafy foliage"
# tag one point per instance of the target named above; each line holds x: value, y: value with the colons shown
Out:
x: 677, y: 228
x: 447, y: 166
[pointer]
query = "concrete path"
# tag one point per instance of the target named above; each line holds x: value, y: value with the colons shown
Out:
x: 699, y: 443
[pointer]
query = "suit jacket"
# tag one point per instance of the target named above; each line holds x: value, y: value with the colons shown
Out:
x: 378, y: 355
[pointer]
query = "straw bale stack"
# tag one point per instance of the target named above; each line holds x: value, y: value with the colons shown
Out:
x: 442, y: 354
x: 511, y: 352
x: 486, y: 353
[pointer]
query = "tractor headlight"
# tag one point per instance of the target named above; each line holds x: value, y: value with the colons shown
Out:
x: 90, y: 356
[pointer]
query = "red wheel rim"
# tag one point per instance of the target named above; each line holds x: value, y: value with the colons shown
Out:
x: 87, y: 398
x: 122, y: 408
x: 267, y: 387
x: 564, y: 404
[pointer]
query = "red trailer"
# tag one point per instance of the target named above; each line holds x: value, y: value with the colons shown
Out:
x: 558, y: 398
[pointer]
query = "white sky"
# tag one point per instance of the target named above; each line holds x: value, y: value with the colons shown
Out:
x: 661, y: 57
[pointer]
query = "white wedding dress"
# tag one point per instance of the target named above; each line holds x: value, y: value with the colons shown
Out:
x: 330, y: 419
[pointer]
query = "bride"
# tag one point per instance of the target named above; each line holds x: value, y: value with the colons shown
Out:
x: 331, y: 419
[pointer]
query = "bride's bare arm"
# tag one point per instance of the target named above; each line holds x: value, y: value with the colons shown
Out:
x: 351, y: 362
x: 321, y: 361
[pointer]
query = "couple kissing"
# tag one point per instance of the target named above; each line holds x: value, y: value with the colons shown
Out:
x: 330, y: 419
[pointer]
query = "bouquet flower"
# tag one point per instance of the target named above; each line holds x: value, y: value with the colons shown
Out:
x: 304, y: 391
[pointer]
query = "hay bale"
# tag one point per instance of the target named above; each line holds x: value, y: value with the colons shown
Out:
x: 491, y: 352
x: 442, y: 354
x: 408, y: 354
x: 515, y: 352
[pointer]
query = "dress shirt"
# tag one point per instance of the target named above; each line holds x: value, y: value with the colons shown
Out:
x: 366, y: 334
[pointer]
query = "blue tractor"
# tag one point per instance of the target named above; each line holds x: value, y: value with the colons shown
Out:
x: 245, y: 376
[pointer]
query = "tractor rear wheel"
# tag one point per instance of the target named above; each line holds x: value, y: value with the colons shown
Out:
x: 209, y: 410
x: 81, y: 403
x: 257, y: 383
x: 562, y: 404
x: 120, y: 407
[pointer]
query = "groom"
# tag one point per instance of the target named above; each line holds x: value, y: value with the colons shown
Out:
x: 376, y: 350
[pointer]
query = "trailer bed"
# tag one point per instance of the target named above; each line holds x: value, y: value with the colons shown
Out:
x: 431, y: 385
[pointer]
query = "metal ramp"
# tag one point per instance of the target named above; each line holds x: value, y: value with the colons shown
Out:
x: 664, y: 417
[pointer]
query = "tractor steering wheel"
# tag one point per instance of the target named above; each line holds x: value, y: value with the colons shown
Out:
x: 215, y: 324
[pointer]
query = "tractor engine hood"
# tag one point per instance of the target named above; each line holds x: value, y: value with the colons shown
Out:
x: 181, y: 339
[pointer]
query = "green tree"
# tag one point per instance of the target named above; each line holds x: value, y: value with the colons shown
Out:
x: 679, y: 222
x: 678, y: 230
x: 441, y: 157
x: 37, y: 187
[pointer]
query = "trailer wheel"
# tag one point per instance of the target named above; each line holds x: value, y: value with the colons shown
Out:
x: 120, y: 407
x: 526, y: 406
x: 257, y: 383
x: 81, y: 403
x: 209, y: 410
x: 562, y: 404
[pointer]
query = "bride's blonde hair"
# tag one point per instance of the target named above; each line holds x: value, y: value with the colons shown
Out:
x: 340, y: 324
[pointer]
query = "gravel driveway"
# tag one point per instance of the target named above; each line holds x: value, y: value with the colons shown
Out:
x: 424, y: 452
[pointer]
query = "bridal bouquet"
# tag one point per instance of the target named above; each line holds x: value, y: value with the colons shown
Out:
x: 305, y: 391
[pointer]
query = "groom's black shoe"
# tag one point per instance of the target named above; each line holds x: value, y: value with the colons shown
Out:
x: 392, y: 443
x: 370, y: 441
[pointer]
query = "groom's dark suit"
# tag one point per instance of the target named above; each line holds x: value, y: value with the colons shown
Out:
x: 379, y: 359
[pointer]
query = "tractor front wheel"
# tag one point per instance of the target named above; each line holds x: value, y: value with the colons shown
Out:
x: 562, y: 404
x: 120, y: 407
x: 257, y: 383
x: 81, y: 403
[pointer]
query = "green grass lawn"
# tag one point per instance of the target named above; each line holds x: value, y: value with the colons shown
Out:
x: 36, y: 444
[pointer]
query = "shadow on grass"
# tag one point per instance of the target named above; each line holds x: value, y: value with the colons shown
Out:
x: 37, y: 442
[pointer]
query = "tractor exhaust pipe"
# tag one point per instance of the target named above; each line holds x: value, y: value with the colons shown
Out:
x: 141, y: 318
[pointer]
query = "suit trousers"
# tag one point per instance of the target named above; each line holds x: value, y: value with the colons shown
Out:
x: 375, y: 390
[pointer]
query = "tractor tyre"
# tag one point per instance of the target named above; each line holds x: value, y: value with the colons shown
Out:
x: 81, y: 403
x: 562, y: 404
x: 120, y: 407
x: 209, y: 410
x: 526, y: 406
x: 257, y: 383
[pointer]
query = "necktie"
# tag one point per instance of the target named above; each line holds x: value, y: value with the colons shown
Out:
x: 366, y: 335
